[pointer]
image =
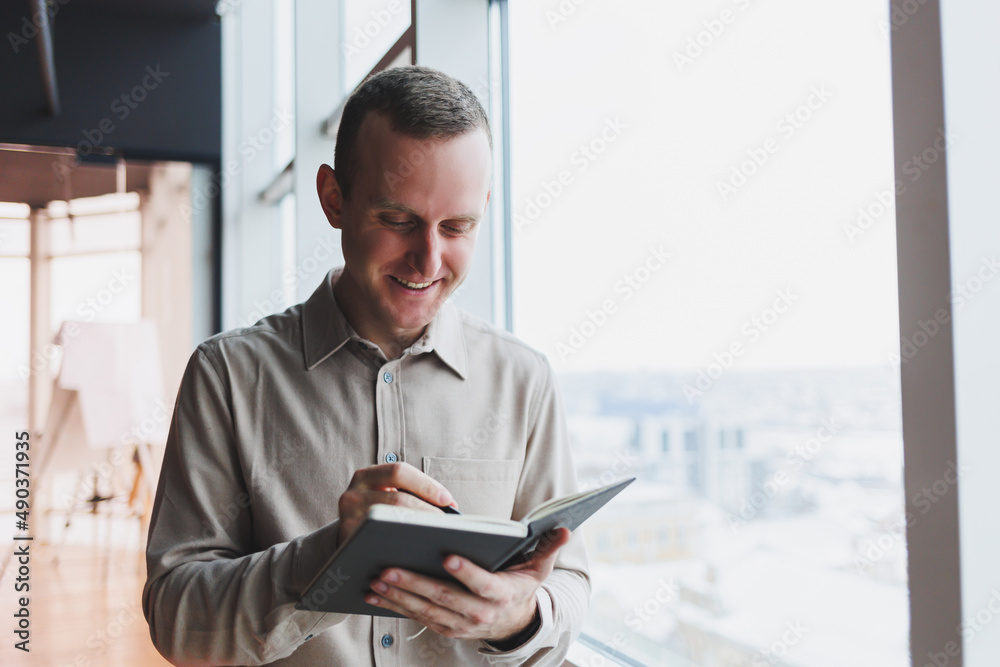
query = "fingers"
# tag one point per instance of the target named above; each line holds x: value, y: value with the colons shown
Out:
x: 483, y: 605
x: 543, y: 558
x: 438, y: 611
x: 481, y: 582
x: 401, y: 475
x: 501, y: 605
x: 550, y: 544
x: 534, y: 571
x: 442, y: 606
x: 426, y: 596
x: 436, y: 619
x: 380, y: 484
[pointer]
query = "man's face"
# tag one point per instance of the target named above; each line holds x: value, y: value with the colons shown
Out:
x: 409, y: 228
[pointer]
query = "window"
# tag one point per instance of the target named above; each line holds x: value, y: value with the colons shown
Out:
x: 690, y: 441
x: 15, y: 276
x: 710, y: 196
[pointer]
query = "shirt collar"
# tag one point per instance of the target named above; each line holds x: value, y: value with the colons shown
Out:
x: 325, y: 330
x: 445, y: 336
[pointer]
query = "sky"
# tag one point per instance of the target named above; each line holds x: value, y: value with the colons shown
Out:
x: 750, y: 141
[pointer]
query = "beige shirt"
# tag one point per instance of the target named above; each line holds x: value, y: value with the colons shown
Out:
x: 270, y: 424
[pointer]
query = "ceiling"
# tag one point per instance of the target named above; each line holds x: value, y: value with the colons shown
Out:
x: 39, y: 175
x: 38, y: 178
x: 182, y: 9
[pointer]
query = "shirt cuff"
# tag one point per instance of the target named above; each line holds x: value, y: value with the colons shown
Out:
x: 539, y: 639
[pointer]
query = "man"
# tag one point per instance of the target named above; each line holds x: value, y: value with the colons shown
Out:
x: 285, y: 433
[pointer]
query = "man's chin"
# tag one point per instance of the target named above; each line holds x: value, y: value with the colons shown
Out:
x: 413, y: 320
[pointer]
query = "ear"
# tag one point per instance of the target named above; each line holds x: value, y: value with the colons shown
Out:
x: 330, y: 196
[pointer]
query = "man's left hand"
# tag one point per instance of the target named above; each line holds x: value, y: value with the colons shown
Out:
x: 492, y: 606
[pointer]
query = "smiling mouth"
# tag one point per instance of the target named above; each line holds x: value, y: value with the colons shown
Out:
x: 417, y: 286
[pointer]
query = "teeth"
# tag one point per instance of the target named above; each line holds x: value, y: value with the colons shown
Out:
x: 413, y: 285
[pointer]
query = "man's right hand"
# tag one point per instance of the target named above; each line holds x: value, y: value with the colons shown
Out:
x: 381, y: 484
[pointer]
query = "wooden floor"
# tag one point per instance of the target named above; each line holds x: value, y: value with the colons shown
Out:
x: 85, y: 610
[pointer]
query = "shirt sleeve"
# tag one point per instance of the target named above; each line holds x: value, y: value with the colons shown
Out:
x: 211, y: 597
x: 564, y: 597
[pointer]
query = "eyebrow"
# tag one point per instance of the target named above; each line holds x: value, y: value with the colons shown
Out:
x: 388, y: 204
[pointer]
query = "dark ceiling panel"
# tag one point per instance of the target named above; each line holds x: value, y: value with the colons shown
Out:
x: 198, y: 10
x: 143, y: 79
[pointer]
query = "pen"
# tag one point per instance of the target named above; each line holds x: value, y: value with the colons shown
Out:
x: 447, y: 509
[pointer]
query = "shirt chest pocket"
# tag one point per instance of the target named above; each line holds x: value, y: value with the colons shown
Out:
x: 481, y: 486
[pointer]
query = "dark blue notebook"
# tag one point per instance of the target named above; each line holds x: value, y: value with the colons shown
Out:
x: 419, y: 541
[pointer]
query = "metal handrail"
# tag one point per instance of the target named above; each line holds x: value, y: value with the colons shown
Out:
x: 607, y: 651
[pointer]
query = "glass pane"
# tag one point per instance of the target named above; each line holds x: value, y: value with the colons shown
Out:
x: 284, y: 78
x: 15, y: 365
x: 15, y: 238
x: 97, y: 288
x: 704, y: 247
x: 370, y: 29
x: 96, y: 233
x: 15, y: 278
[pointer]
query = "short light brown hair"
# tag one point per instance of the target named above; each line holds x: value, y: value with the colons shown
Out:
x: 419, y: 102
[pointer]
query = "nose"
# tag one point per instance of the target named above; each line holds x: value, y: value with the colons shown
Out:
x: 425, y: 252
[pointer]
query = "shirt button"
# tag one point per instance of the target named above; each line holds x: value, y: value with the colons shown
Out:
x: 308, y: 637
x: 386, y: 641
x: 387, y: 377
x: 391, y: 458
